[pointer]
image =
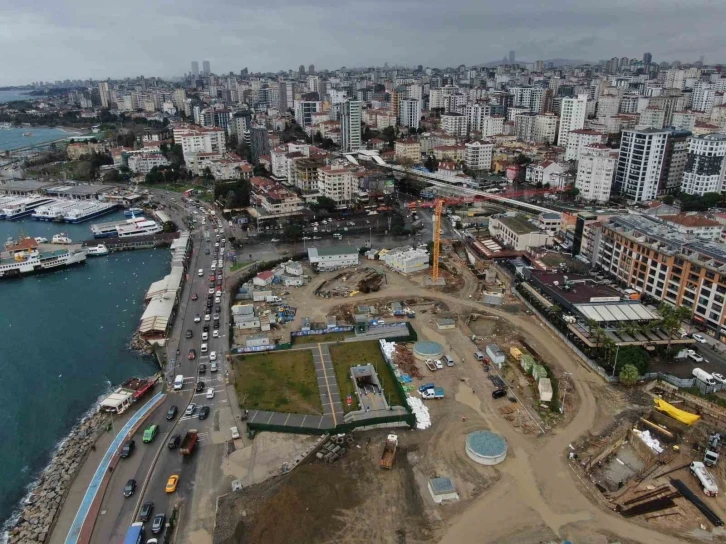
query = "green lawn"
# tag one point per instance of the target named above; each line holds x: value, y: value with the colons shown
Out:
x: 356, y: 353
x: 318, y: 338
x: 174, y: 187
x: 239, y: 265
x: 278, y: 382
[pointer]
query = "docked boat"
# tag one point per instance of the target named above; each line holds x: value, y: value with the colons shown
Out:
x: 133, y: 212
x: 109, y: 230
x: 97, y: 251
x: 53, y: 211
x: 6, y: 126
x: 88, y: 210
x: 23, y: 206
x: 61, y: 238
x: 41, y: 240
x: 143, y: 228
x: 24, y: 257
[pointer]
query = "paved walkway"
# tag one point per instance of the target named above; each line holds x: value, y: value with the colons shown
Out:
x: 327, y: 384
x: 293, y: 421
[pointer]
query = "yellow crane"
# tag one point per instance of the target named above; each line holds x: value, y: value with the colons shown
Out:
x: 437, y: 239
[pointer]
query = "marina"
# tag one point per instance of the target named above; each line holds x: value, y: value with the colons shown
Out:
x: 142, y: 228
x: 20, y: 207
x: 110, y: 229
x: 54, y: 211
x: 88, y: 210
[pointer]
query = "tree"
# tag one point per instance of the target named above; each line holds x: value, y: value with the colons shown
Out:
x: 522, y: 160
x: 389, y: 134
x: 572, y: 192
x: 635, y: 356
x: 671, y: 319
x: 629, y: 375
x: 169, y: 226
x: 292, y: 232
x: 259, y: 170
x: 324, y: 203
x: 431, y: 164
x: 668, y: 199
x: 367, y: 134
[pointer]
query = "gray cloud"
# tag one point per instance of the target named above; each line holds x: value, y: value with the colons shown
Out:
x: 48, y: 40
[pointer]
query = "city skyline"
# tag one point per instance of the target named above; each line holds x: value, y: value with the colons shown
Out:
x: 57, y: 42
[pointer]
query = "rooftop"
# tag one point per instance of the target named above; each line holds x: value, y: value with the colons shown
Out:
x: 442, y: 486
x: 518, y: 224
x: 486, y: 444
x: 582, y: 288
x: 687, y: 220
x: 331, y: 250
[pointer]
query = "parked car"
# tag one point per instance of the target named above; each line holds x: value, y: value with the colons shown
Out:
x: 215, y: 334
x: 202, y: 368
x: 158, y: 525
x: 694, y: 356
x: 190, y: 409
x: 719, y: 377
x: 130, y: 488
x: 146, y: 509
x: 439, y: 364
x: 174, y: 442
x: 171, y: 413
x: 128, y: 449
x: 204, y: 412
x: 213, y: 367
x: 699, y: 338
x: 212, y: 355
x: 499, y: 393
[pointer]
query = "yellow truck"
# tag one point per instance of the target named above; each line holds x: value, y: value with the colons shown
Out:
x: 515, y: 352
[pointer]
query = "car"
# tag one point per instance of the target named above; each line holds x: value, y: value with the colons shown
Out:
x: 171, y: 413
x: 192, y: 354
x: 719, y: 377
x: 211, y: 291
x: 212, y: 277
x: 204, y: 412
x: 150, y: 433
x: 146, y: 509
x: 205, y: 335
x: 195, y: 296
x: 217, y: 309
x: 197, y: 318
x: 317, y: 238
x: 200, y: 272
x: 209, y: 305
x: 202, y: 368
x: 274, y: 240
x: 214, y: 265
x: 694, y: 356
x: 306, y: 237
x: 499, y: 393
x: 215, y: 334
x: 210, y: 393
x: 207, y: 317
x: 174, y: 442
x: 130, y: 488
x: 204, y: 348
x: 205, y: 328
x: 190, y: 409
x: 216, y: 244
x: 235, y: 432
x: 218, y: 293
x: 206, y: 251
x: 216, y: 324
x: 213, y: 367
x: 171, y: 483
x: 199, y: 387
x: 699, y: 338
x: 220, y: 262
x: 127, y: 450
x: 216, y: 317
x: 439, y: 364
x: 217, y: 300
x: 158, y: 525
x: 189, y: 334
x: 212, y: 355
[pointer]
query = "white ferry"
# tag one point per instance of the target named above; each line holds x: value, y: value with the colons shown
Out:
x: 23, y: 257
x: 53, y: 211
x: 144, y: 228
x: 61, y: 238
x: 133, y: 212
x: 108, y: 230
x: 23, y: 206
x: 97, y: 251
x: 88, y: 210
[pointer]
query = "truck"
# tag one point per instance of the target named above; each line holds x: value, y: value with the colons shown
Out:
x: 188, y: 442
x: 434, y: 393
x: 389, y: 451
x: 134, y: 534
x: 703, y: 376
x: 706, y: 479
x: 273, y: 298
x: 713, y: 450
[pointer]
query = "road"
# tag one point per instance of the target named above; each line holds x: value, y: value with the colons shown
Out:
x: 152, y: 464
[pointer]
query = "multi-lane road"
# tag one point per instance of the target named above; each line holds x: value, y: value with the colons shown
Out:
x: 152, y: 464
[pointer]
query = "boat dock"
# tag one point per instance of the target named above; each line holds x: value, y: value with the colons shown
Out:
x: 85, y: 210
x: 137, y: 242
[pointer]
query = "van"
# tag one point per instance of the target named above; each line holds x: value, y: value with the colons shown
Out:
x: 479, y: 356
x: 178, y: 382
x: 448, y: 360
x: 150, y: 433
x: 200, y: 273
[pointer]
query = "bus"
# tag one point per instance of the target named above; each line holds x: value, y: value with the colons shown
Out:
x: 135, y: 534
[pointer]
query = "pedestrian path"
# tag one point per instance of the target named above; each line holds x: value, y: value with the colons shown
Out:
x: 327, y: 384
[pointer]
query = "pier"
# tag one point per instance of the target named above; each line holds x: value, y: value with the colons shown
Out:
x: 137, y: 242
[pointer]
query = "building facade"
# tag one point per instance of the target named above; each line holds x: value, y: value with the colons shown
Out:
x: 705, y: 169
x: 572, y: 117
x: 350, y: 137
x: 595, y: 173
x: 478, y: 155
x: 640, y: 163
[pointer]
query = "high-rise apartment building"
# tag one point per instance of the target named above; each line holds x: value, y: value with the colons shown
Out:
x: 478, y: 155
x: 454, y: 124
x: 579, y: 139
x: 674, y: 162
x: 304, y: 110
x: 259, y: 142
x: 640, y: 163
x: 195, y: 69
x: 338, y: 183
x: 350, y: 135
x: 311, y: 69
x: 705, y: 170
x: 104, y: 94
x: 572, y: 117
x: 545, y: 128
x: 475, y: 114
x: 409, y: 112
x: 206, y: 68
x: 595, y: 172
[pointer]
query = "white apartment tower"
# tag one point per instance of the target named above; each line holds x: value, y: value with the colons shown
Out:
x: 705, y: 170
x: 579, y: 139
x: 640, y: 163
x: 595, y: 172
x: 478, y: 155
x: 475, y: 114
x: 572, y: 117
x: 409, y: 112
x: 545, y: 128
x: 351, y: 111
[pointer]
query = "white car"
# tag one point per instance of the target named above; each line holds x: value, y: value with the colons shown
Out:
x: 217, y: 300
x: 694, y: 356
x: 215, y: 333
x: 205, y: 336
x: 213, y: 367
x: 220, y: 262
x: 190, y: 409
x: 439, y: 364
x: 219, y: 293
x: 205, y: 348
x: 699, y: 338
x: 216, y: 244
x: 211, y: 291
x: 718, y: 377
x: 210, y: 393
x: 214, y: 265
x: 207, y: 317
x: 212, y: 355
x: 306, y: 237
x: 274, y: 240
x: 197, y: 319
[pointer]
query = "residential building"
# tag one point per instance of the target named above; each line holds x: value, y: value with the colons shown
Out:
x: 332, y: 257
x: 475, y: 114
x: 304, y: 110
x: 492, y: 125
x: 259, y: 141
x: 524, y: 126
x: 705, y: 170
x: 595, y: 172
x: 454, y: 124
x: 338, y: 183
x: 409, y: 112
x: 449, y: 152
x: 572, y: 117
x: 200, y: 140
x: 674, y: 161
x: 351, y: 125
x: 694, y: 224
x: 545, y: 128
x: 104, y: 94
x: 273, y: 200
x: 516, y: 232
x: 76, y: 150
x: 640, y: 163
x: 305, y: 173
x: 142, y: 163
x: 547, y: 172
x: 478, y: 155
x: 684, y: 120
x: 652, y: 118
x: 406, y: 260
x: 581, y: 138
x: 608, y: 106
x: 206, y: 68
x: 408, y: 150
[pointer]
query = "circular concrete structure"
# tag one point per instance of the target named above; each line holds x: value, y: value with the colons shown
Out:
x: 428, y: 350
x: 486, y: 448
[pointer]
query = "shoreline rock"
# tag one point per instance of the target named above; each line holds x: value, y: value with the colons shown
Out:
x: 40, y: 508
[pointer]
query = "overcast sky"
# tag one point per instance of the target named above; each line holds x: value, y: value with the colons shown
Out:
x: 51, y: 39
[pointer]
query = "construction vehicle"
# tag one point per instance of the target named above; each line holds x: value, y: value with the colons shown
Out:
x: 188, y: 442
x: 433, y: 393
x: 708, y: 482
x: 713, y: 450
x: 389, y: 451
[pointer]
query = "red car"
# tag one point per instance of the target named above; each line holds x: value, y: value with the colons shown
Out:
x: 212, y: 277
x: 192, y: 354
x: 194, y: 296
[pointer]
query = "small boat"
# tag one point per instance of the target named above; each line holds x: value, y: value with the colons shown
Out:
x: 27, y: 133
x: 98, y: 251
x: 133, y: 212
x: 61, y: 238
x: 41, y: 240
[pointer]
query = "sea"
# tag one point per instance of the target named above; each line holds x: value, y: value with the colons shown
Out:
x: 11, y: 96
x: 16, y: 138
x: 65, y: 337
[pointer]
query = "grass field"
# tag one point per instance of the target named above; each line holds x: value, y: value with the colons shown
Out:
x: 318, y: 338
x: 356, y: 353
x: 278, y: 382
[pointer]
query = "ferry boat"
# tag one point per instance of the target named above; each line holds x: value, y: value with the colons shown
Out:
x: 22, y: 207
x: 53, y: 211
x: 23, y: 257
x: 97, y: 251
x: 144, y: 228
x: 88, y: 210
x: 108, y: 230
x: 61, y: 238
x: 133, y: 212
